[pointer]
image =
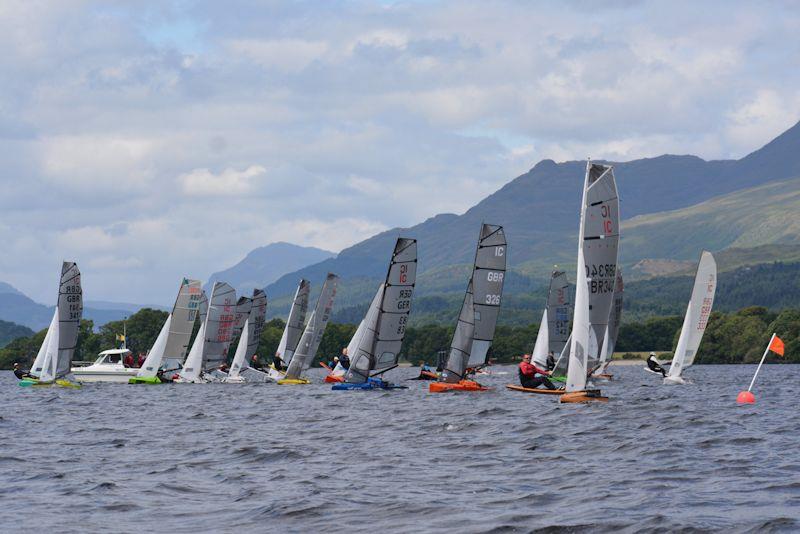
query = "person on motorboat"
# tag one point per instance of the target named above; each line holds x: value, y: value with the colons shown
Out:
x: 277, y: 362
x: 551, y: 361
x: 531, y: 376
x: 654, y: 365
x: 19, y: 373
x: 345, y: 359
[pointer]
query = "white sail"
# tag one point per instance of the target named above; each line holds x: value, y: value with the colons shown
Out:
x: 240, y: 356
x: 315, y: 329
x: 193, y: 365
x: 614, y: 320
x: 581, y: 332
x: 598, y: 239
x: 386, y: 320
x: 173, y: 339
x: 38, y: 363
x: 152, y: 363
x: 50, y: 360
x: 295, y: 322
x: 542, y: 345
x: 697, y: 314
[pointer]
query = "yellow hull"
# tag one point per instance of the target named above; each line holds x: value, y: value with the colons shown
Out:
x: 293, y: 381
x: 60, y: 383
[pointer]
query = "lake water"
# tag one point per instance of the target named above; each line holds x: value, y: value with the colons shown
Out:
x: 235, y: 458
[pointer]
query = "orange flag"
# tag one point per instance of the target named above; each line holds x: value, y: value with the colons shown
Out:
x: 776, y: 346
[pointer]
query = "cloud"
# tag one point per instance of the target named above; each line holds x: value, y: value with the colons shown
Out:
x: 230, y: 182
x: 153, y: 142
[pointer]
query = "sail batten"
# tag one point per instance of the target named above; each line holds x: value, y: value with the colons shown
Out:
x: 598, y: 240
x: 380, y: 336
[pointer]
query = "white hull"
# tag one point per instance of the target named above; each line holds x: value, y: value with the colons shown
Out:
x: 83, y: 375
x: 674, y: 381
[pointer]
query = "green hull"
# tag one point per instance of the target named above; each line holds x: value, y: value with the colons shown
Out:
x: 558, y: 378
x: 144, y: 380
x: 32, y: 382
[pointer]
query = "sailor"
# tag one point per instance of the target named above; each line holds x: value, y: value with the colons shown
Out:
x: 654, y: 365
x: 254, y: 361
x: 19, y: 373
x: 277, y: 362
x: 551, y: 361
x: 334, y: 363
x: 531, y: 376
x: 345, y: 359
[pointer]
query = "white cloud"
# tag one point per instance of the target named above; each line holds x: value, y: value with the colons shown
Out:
x: 230, y: 182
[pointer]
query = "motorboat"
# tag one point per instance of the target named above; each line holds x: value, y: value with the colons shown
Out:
x: 108, y: 367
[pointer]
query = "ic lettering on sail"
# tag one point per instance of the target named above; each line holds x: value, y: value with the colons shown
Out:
x: 608, y: 226
x: 403, y: 274
x: 499, y: 251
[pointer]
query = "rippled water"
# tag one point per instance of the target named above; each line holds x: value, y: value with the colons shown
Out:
x: 219, y: 457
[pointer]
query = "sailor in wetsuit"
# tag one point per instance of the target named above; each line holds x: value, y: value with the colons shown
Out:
x: 551, y: 361
x: 19, y: 373
x: 654, y: 365
x: 344, y: 361
x: 531, y: 376
x: 277, y: 361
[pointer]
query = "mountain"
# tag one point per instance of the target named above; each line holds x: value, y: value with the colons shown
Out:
x: 264, y: 265
x: 540, y: 211
x: 122, y: 306
x: 765, y: 214
x: 22, y: 310
x: 10, y: 331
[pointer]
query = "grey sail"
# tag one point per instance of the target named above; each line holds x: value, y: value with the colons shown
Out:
x: 554, y: 328
x: 487, y: 287
x: 243, y: 306
x: 559, y: 312
x: 184, y: 313
x: 295, y: 323
x: 219, y: 325
x: 315, y: 329
x: 461, y: 345
x: 385, y: 324
x: 70, y: 311
x: 599, y: 235
x: 258, y: 312
x: 203, y: 307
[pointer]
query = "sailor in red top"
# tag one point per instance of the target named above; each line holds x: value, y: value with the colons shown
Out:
x: 531, y: 376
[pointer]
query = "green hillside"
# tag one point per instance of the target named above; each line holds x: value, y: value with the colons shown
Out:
x: 762, y: 215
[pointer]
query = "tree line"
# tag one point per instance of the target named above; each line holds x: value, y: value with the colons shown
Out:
x: 738, y: 337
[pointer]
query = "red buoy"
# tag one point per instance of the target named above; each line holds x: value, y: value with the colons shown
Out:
x: 745, y: 397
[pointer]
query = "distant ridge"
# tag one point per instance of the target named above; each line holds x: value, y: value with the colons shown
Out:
x: 539, y: 211
x: 264, y: 265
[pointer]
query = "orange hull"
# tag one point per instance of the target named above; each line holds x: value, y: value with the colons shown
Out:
x: 462, y: 385
x: 604, y: 376
x: 574, y: 397
x: 536, y: 390
x: 330, y: 379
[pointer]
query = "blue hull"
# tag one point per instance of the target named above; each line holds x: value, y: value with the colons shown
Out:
x: 371, y: 383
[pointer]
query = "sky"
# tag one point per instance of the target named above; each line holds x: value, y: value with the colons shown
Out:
x: 154, y: 140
